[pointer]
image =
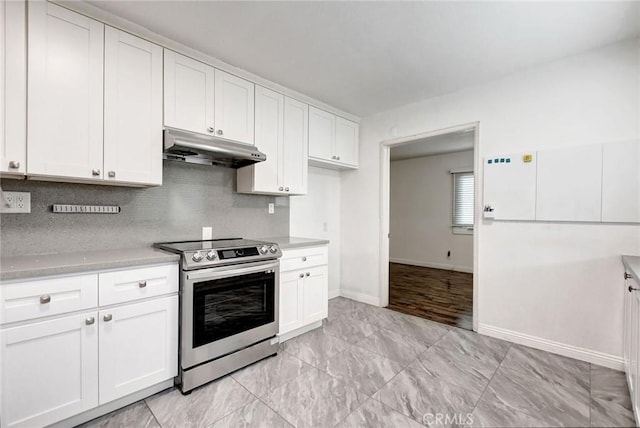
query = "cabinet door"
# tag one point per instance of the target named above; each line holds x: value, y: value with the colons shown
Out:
x: 627, y: 324
x: 295, y: 146
x: 621, y: 182
x: 65, y: 96
x: 268, y: 128
x: 635, y: 352
x: 321, y: 134
x: 234, y: 110
x: 49, y: 370
x: 290, y: 312
x: 138, y: 346
x: 13, y: 87
x: 132, y: 109
x: 315, y: 294
x: 346, y: 143
x: 188, y: 93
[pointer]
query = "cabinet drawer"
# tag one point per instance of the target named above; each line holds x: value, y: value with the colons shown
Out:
x: 303, y: 258
x: 132, y: 284
x: 40, y: 298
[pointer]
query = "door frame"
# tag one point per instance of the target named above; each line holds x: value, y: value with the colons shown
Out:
x: 385, y: 171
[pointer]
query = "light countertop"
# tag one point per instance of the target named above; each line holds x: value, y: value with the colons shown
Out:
x: 288, y: 242
x: 22, y: 267
x: 632, y: 266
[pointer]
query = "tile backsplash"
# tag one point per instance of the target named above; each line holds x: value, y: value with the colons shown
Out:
x: 192, y: 196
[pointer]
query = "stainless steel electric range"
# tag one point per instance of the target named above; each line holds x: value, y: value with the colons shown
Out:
x: 228, y: 306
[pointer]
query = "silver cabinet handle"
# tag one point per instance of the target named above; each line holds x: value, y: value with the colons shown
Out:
x: 89, y: 321
x: 286, y: 189
x: 301, y: 275
x: 95, y: 172
x: 45, y: 299
x: 142, y: 284
x: 281, y: 188
x: 304, y: 259
x: 220, y: 132
x: 107, y: 317
x: 112, y: 174
x: 633, y: 289
x: 333, y: 157
x: 14, y: 164
x: 626, y: 276
x: 308, y: 274
x: 210, y: 130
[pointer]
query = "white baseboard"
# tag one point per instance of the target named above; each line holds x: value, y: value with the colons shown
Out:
x: 291, y: 334
x: 594, y: 357
x: 334, y: 293
x: 465, y: 269
x: 360, y: 297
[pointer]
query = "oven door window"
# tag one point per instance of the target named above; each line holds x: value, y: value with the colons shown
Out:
x: 228, y: 306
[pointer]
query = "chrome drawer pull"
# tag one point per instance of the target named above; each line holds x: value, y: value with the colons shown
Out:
x: 45, y: 299
x: 308, y: 274
x: 142, y: 284
x: 304, y: 259
x: 301, y: 275
x: 89, y: 321
x: 107, y: 317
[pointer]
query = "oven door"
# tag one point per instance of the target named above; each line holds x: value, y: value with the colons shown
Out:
x: 227, y: 308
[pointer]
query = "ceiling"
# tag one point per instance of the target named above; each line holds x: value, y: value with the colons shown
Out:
x: 437, y: 145
x: 367, y: 57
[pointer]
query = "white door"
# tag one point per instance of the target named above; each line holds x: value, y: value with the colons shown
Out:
x: 234, y: 110
x: 138, y: 346
x: 635, y: 349
x: 290, y: 313
x: 49, y: 370
x: 65, y: 94
x: 188, y: 93
x: 315, y: 294
x: 13, y: 87
x: 346, y: 142
x: 321, y: 134
x: 269, y: 112
x: 132, y: 109
x: 295, y: 146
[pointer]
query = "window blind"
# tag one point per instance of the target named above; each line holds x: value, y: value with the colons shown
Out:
x: 463, y: 198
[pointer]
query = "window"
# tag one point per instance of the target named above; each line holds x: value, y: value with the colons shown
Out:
x: 463, y: 199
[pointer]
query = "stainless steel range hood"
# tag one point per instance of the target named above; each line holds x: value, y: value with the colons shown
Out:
x: 203, y: 149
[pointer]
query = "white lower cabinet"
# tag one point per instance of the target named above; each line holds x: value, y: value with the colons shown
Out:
x: 49, y: 370
x: 631, y: 335
x: 137, y: 346
x: 57, y: 365
x: 304, y: 285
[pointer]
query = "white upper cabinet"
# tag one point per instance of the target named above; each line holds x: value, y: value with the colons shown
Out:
x: 621, y: 182
x: 333, y: 141
x: 346, y: 144
x: 132, y: 109
x: 322, y: 128
x: 188, y: 94
x: 281, y: 127
x: 13, y: 88
x: 65, y: 96
x: 295, y: 146
x: 200, y: 98
x: 234, y: 108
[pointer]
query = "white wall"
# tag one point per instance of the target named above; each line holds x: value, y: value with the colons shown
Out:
x: 554, y: 286
x: 421, y: 204
x: 317, y: 215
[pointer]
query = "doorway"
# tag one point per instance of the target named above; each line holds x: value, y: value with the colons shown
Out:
x: 429, y: 234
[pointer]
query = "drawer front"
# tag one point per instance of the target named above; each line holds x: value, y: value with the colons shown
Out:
x: 40, y: 298
x: 140, y: 283
x: 303, y: 258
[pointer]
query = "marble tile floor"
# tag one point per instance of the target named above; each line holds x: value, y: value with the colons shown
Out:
x: 373, y: 367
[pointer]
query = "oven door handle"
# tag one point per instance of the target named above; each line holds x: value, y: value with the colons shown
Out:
x: 226, y: 273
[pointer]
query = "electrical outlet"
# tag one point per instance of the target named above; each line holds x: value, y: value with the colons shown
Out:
x: 449, y: 254
x: 272, y: 208
x: 207, y: 233
x: 15, y: 202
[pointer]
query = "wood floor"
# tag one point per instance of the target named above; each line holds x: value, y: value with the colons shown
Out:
x: 439, y: 295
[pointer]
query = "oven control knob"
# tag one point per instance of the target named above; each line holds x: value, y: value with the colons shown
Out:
x: 273, y: 248
x: 197, y: 256
x: 212, y: 255
x: 264, y: 249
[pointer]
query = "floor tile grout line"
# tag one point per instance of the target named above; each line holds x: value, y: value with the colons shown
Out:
x: 490, y: 380
x: 151, y: 411
x: 265, y: 403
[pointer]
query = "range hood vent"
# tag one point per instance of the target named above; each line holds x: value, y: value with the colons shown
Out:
x: 208, y: 150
